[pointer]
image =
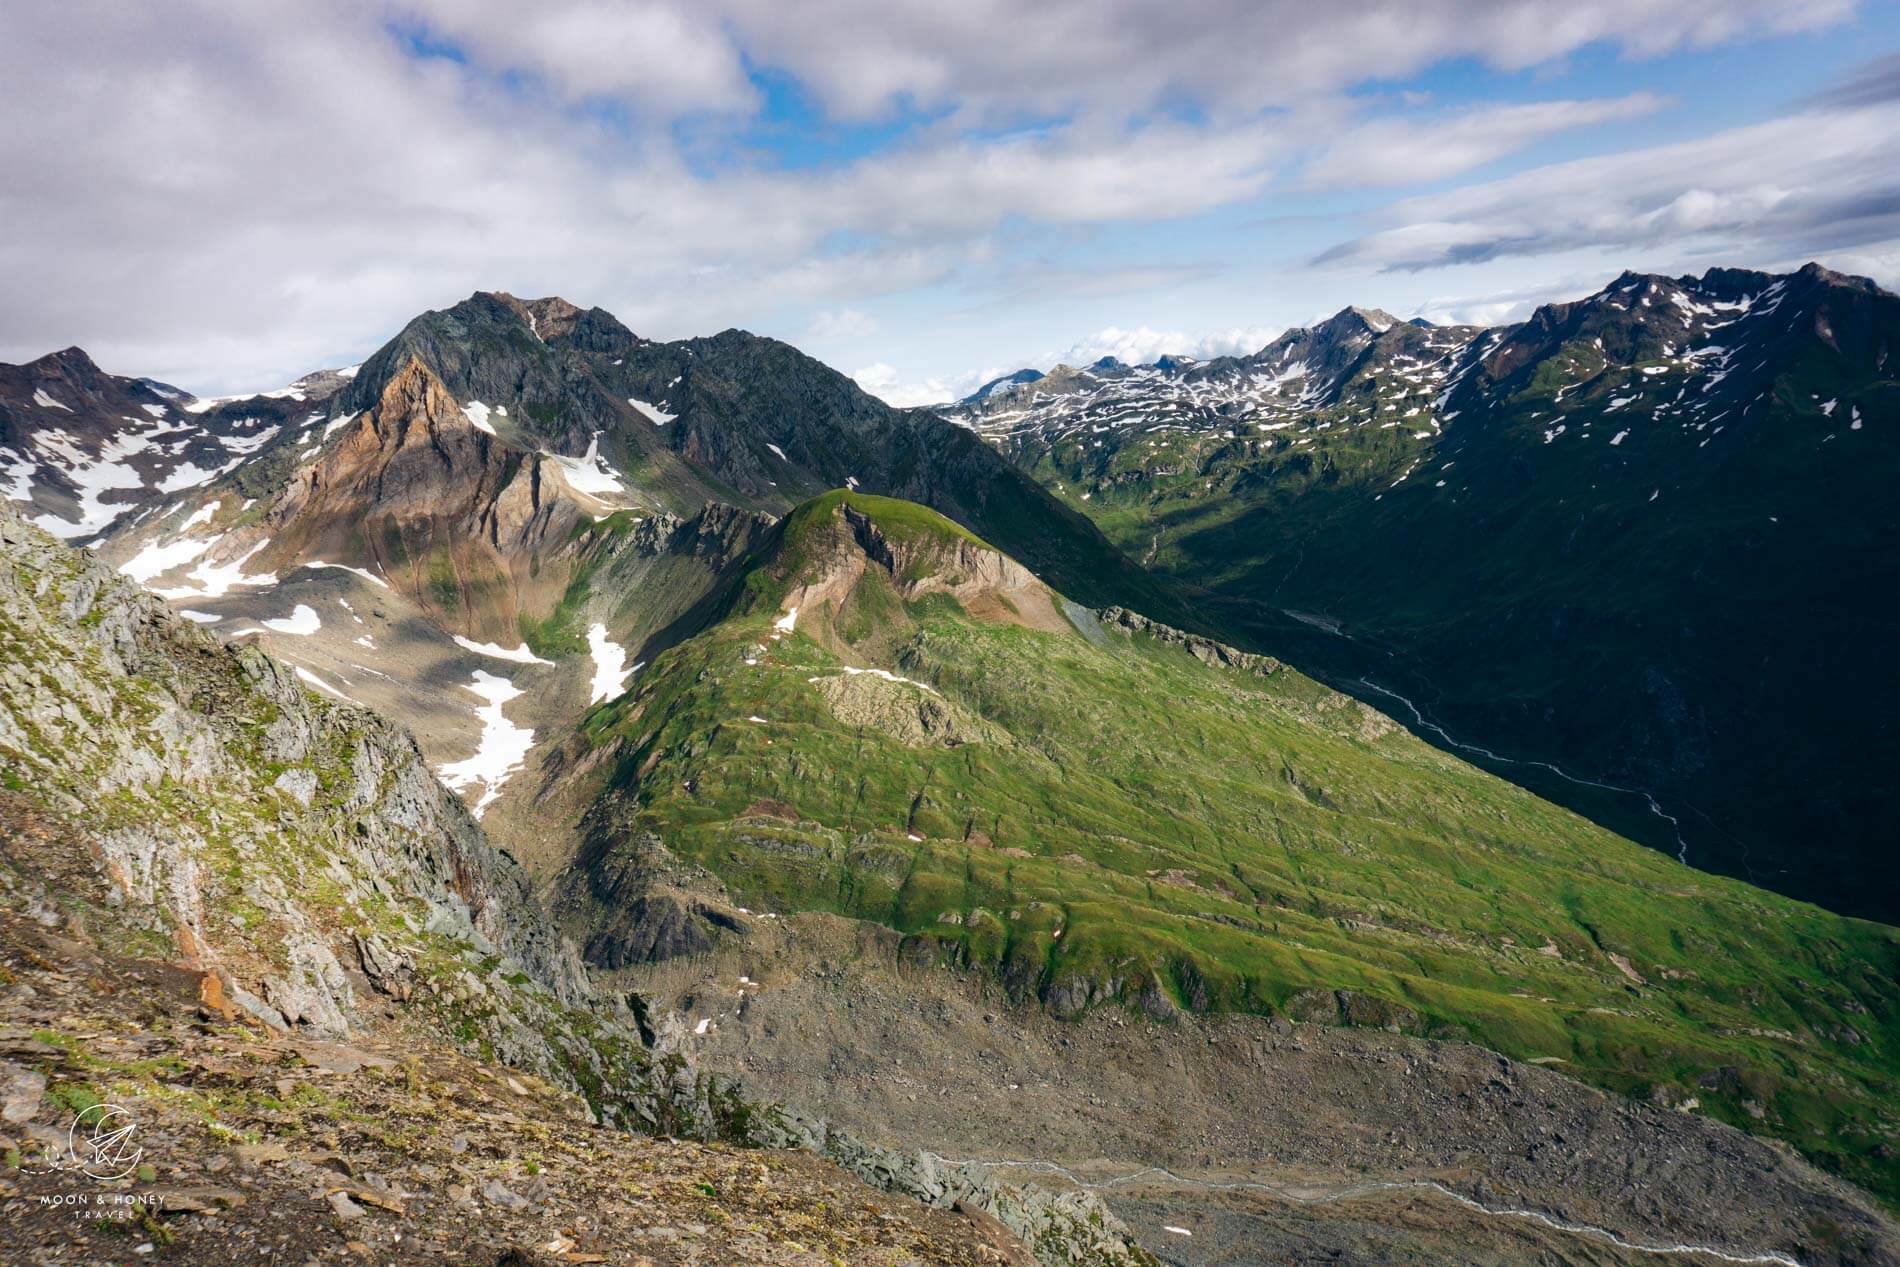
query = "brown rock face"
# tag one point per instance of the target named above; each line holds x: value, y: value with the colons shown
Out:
x: 452, y: 515
x: 988, y: 584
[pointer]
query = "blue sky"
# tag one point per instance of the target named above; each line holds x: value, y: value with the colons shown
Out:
x: 920, y: 194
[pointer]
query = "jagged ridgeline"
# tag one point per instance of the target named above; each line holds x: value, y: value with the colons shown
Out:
x: 897, y: 722
x: 733, y: 418
x: 170, y: 802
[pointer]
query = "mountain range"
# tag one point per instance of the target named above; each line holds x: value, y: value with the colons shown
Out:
x: 1110, y: 776
x: 1632, y: 552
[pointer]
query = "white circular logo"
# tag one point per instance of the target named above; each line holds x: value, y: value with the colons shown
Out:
x: 100, y: 1142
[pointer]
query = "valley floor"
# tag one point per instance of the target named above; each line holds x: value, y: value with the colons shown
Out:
x: 1285, y: 1142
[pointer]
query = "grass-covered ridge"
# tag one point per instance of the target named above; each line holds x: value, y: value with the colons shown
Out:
x: 895, y: 517
x: 1105, y: 817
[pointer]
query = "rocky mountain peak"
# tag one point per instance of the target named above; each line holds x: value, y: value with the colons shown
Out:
x: 1816, y: 272
x: 418, y: 490
x: 551, y: 309
x: 71, y: 369
x: 1376, y: 320
x: 842, y: 549
x: 72, y: 361
x: 411, y: 450
x: 415, y: 395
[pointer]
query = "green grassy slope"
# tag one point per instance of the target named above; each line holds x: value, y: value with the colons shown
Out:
x: 1096, y: 814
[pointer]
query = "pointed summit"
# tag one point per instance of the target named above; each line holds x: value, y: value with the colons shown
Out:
x: 1374, y: 319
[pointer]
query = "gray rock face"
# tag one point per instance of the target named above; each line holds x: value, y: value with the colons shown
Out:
x: 20, y: 1092
x: 650, y: 929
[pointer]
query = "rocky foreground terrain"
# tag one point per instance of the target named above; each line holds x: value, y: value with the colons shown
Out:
x: 260, y: 1147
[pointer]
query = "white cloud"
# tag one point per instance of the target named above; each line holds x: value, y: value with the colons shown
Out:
x: 226, y: 208
x: 672, y: 58
x: 1502, y: 307
x: 1138, y: 346
x: 1417, y: 148
x: 840, y: 324
x: 222, y: 201
x: 894, y: 388
x: 1817, y: 181
x: 1142, y: 345
x: 1000, y: 59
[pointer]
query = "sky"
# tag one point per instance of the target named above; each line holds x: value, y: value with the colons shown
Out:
x: 924, y: 195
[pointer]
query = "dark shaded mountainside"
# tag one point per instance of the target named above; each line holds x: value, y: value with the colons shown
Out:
x: 251, y: 918
x: 1646, y: 538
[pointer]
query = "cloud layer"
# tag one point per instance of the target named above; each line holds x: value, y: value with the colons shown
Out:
x: 1822, y: 179
x: 211, y: 193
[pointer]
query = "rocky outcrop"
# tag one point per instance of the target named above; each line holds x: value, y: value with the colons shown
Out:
x: 907, y: 711
x: 650, y: 929
x: 848, y: 550
x: 1206, y: 650
x: 297, y: 852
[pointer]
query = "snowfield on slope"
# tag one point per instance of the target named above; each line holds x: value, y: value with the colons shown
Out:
x: 503, y: 749
x: 610, y: 661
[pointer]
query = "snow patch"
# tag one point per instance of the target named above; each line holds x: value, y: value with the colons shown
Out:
x: 92, y: 478
x: 302, y: 621
x: 610, y: 671
x: 503, y: 749
x: 251, y: 443
x: 310, y: 679
x: 888, y: 676
x: 477, y: 414
x: 520, y: 655
x: 653, y: 413
x: 156, y: 560
x: 216, y: 582
x: 191, y: 475
x: 367, y: 575
x: 44, y: 401
x: 589, y: 473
